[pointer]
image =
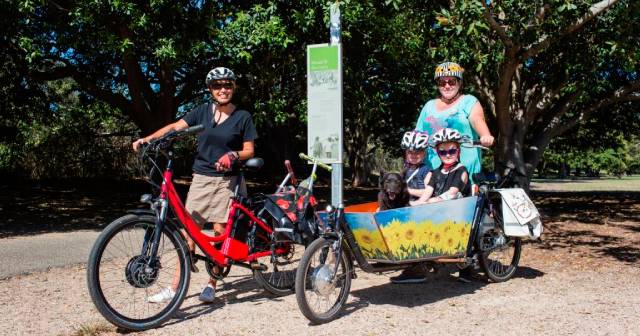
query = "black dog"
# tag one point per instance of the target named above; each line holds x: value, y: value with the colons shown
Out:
x: 393, y: 192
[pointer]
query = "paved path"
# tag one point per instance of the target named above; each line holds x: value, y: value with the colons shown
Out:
x: 20, y: 255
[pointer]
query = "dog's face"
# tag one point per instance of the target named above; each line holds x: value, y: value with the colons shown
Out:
x: 392, y: 185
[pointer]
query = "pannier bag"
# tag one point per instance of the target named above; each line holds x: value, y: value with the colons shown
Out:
x: 520, y: 215
x: 293, y: 214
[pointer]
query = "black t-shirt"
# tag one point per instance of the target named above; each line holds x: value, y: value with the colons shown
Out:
x: 216, y: 140
x: 443, y: 181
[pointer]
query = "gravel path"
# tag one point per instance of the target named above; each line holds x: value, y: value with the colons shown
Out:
x: 556, y: 291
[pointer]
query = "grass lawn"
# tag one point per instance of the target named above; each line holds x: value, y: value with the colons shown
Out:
x: 626, y: 183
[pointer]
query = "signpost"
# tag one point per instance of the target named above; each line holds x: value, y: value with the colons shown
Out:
x: 324, y: 103
x: 324, y: 108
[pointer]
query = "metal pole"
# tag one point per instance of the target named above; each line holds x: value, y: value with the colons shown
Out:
x: 336, y: 172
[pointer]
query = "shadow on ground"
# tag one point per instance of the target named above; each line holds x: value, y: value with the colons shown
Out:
x: 606, y: 223
x: 29, y: 208
x: 593, y: 223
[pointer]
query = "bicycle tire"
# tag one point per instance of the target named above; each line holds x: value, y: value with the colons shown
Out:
x: 495, y: 269
x: 311, y: 280
x: 130, y: 280
x: 279, y: 277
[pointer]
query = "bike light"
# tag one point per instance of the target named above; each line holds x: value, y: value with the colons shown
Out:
x: 146, y: 198
x: 330, y: 208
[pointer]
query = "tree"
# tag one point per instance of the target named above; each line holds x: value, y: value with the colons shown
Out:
x: 541, y: 68
x: 601, y: 143
x: 146, y: 59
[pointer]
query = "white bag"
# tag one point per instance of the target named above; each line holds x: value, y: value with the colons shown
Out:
x: 521, y: 217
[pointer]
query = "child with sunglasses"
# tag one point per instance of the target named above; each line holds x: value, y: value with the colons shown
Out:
x: 451, y: 179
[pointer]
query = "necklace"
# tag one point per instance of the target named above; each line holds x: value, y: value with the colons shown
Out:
x: 450, y: 101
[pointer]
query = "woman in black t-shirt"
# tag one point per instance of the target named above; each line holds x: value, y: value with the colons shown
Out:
x: 450, y: 180
x: 228, y: 136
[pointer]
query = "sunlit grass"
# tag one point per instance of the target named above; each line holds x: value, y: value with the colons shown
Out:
x: 626, y: 183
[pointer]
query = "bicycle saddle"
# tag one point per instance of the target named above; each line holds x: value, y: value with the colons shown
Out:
x: 253, y: 164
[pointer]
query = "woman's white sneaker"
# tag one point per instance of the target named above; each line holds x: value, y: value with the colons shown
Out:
x: 164, y: 295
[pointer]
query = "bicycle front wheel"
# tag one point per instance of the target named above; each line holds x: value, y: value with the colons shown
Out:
x: 323, y: 281
x: 127, y: 290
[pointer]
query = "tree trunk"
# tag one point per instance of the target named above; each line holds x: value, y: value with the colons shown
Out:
x: 357, y: 153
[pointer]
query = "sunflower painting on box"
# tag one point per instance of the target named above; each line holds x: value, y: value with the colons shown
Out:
x: 425, y: 231
x: 368, y: 236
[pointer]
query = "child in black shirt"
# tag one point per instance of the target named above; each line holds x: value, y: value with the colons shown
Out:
x: 449, y: 181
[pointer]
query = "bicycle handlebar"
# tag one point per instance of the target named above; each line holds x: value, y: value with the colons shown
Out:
x: 315, y: 161
x: 292, y: 176
x: 161, y: 141
x: 472, y: 144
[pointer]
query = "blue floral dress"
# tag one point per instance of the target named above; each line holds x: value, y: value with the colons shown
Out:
x: 456, y: 117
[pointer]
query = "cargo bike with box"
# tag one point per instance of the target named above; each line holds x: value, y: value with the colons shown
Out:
x: 484, y: 230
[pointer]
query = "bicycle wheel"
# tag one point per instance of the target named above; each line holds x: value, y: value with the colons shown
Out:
x: 280, y: 275
x: 120, y: 281
x: 320, y: 293
x: 499, y: 255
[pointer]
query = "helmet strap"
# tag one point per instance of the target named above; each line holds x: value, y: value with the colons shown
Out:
x: 447, y: 167
x: 449, y: 101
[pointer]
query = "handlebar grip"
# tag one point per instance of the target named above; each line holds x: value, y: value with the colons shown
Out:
x: 314, y: 160
x: 292, y: 175
x: 193, y: 129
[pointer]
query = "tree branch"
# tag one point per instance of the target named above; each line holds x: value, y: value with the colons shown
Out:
x: 488, y: 15
x: 623, y: 94
x: 546, y: 41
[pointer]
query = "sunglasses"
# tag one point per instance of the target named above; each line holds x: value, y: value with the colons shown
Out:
x: 218, y: 86
x: 444, y: 82
x: 450, y: 151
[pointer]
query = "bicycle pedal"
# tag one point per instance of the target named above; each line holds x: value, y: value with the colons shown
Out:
x: 258, y: 266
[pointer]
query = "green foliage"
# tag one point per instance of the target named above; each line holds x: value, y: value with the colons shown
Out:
x: 144, y: 62
x: 70, y: 138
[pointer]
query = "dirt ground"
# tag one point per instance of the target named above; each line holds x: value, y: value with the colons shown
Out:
x: 583, y: 278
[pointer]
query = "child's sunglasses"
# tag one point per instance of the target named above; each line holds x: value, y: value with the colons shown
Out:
x: 450, y: 151
x: 218, y: 86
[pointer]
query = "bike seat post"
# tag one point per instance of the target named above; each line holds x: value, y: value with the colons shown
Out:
x: 236, y: 190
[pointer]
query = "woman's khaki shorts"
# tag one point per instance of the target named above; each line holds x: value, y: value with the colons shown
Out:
x: 209, y: 197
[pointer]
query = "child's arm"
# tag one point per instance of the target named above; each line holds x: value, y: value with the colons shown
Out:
x: 420, y: 192
x: 447, y: 195
x: 427, y: 192
x: 415, y: 192
x: 453, y: 191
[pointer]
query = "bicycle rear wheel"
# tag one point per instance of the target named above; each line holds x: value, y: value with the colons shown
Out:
x: 280, y: 276
x: 120, y: 280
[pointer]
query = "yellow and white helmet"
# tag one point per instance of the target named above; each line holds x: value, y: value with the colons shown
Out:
x: 449, y: 69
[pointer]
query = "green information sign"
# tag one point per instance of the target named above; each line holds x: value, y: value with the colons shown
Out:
x: 323, y: 58
x: 324, y: 102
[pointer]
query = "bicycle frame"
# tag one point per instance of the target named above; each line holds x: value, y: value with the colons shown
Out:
x: 232, y: 250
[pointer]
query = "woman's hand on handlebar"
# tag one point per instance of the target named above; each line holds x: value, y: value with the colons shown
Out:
x: 486, y: 140
x: 138, y: 143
